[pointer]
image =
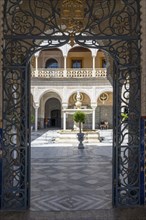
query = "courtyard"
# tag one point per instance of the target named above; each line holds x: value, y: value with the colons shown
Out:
x: 65, y: 178
x: 72, y: 184
x: 70, y: 47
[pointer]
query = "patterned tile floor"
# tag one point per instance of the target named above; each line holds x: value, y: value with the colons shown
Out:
x: 86, y: 183
x: 76, y: 182
x: 69, y: 179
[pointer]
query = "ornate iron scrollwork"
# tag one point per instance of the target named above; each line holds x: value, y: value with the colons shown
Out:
x: 32, y: 25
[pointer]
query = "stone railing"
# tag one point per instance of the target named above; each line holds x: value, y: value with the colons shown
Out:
x: 47, y: 73
x: 88, y: 73
x: 69, y: 73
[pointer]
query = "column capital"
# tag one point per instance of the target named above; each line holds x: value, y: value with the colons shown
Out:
x: 36, y: 105
x: 37, y: 54
x: 93, y: 105
x: 64, y: 105
x: 94, y: 52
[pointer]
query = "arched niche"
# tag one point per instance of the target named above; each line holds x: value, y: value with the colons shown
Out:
x: 85, y: 99
x: 104, y: 109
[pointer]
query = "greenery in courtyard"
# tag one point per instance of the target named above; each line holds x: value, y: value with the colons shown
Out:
x: 79, y: 117
x: 32, y: 119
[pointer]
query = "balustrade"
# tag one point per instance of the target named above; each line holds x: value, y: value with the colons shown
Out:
x: 70, y: 73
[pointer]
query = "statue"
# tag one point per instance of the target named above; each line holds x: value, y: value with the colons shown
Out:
x: 78, y: 96
x: 78, y: 102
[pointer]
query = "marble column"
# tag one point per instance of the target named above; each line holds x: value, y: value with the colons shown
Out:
x: 65, y: 70
x: 36, y: 66
x: 64, y: 107
x: 93, y: 66
x: 93, y: 119
x: 64, y: 120
x: 36, y: 107
x: 36, y: 118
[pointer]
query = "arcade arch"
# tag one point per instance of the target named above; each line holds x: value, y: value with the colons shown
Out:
x: 52, y: 113
x: 104, y: 109
x: 49, y: 101
x: 51, y: 63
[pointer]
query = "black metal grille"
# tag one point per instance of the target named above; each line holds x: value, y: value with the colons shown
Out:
x: 111, y: 25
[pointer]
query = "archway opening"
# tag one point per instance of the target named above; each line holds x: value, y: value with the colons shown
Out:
x: 53, y: 113
x: 78, y: 173
x: 104, y: 110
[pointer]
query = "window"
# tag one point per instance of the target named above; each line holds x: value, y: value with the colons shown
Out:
x: 76, y: 63
x: 51, y: 63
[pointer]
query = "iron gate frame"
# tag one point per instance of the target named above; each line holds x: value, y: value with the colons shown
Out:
x: 120, y: 38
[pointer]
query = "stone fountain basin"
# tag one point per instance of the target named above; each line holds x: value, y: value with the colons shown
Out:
x: 90, y: 136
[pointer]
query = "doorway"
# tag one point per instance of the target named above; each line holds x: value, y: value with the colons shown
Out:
x: 52, y: 113
x: 56, y: 118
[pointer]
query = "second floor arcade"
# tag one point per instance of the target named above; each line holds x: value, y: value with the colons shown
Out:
x: 68, y: 62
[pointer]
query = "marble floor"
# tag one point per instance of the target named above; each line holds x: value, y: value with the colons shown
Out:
x: 72, y: 184
x: 65, y: 178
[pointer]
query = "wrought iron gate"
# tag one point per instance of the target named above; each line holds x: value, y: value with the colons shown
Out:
x: 32, y: 25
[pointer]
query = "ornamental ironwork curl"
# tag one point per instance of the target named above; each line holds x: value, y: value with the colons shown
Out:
x: 43, y: 17
x: 19, y: 52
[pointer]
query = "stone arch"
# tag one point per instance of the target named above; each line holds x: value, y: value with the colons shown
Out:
x: 85, y: 99
x: 52, y: 116
x: 70, y: 93
x: 105, y: 96
x: 104, y: 109
x: 42, y: 100
x: 103, y: 91
x: 78, y: 48
x: 51, y: 63
x: 54, y: 91
x: 48, y: 54
x: 77, y: 57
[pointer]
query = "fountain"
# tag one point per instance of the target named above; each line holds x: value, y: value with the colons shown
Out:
x: 78, y: 105
x: 90, y: 136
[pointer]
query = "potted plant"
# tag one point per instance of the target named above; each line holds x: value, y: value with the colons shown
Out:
x: 79, y: 117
